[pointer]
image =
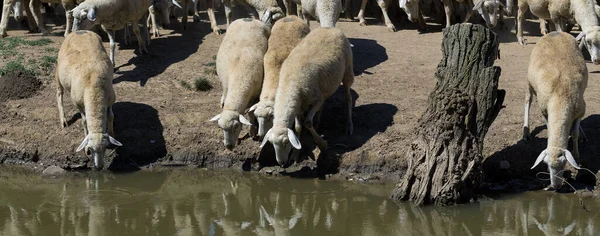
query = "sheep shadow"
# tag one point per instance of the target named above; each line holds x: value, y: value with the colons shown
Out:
x: 163, y: 52
x: 367, y: 53
x: 139, y: 129
x: 523, y: 154
x: 368, y: 120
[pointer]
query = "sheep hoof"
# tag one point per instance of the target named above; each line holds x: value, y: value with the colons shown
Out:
x: 217, y: 31
x: 391, y: 28
x: 3, y: 35
x: 64, y: 124
x: 362, y: 23
x: 521, y: 40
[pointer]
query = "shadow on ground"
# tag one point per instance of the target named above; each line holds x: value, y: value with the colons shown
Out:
x: 522, y: 155
x: 138, y: 128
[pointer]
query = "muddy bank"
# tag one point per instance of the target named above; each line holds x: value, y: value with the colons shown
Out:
x: 161, y: 121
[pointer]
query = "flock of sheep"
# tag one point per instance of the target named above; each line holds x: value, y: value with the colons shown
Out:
x: 279, y: 72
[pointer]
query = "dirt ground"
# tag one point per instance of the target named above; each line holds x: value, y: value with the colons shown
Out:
x: 161, y: 122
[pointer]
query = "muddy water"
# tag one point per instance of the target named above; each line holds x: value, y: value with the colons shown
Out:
x: 198, y: 202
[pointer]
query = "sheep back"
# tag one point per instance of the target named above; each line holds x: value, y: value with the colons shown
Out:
x: 240, y: 62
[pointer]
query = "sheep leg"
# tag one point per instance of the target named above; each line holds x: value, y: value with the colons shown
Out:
x: 349, y: 124
x: 85, y: 129
x: 543, y: 28
x: 523, y: 7
x: 575, y: 136
x: 361, y: 13
x: 145, y: 27
x: 32, y: 26
x: 254, y: 127
x: 299, y: 10
x: 141, y: 43
x: 59, y: 100
x: 69, y: 15
x: 307, y: 18
x: 448, y: 11
x: 288, y: 7
x: 228, y: 15
x: 584, y: 137
x: 126, y: 35
x: 383, y: 5
x: 211, y: 16
x: 347, y: 12
x: 152, y: 21
x: 298, y: 128
x: 111, y: 120
x: 111, y: 39
x: 184, y: 19
x: 469, y: 11
x: 34, y: 5
x: 5, y: 15
x: 559, y: 24
x: 308, y: 123
x: 528, y: 96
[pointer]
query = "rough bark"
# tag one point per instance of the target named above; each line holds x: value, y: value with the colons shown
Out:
x: 445, y: 158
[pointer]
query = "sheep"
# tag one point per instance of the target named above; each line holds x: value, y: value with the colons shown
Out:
x: 266, y: 10
x: 84, y: 69
x: 34, y: 5
x: 326, y: 12
x: 413, y: 11
x: 311, y: 73
x: 558, y: 76
x: 163, y: 9
x: 560, y: 12
x: 361, y: 14
x: 113, y: 15
x: 288, y: 8
x: 285, y: 35
x: 240, y: 69
x: 489, y: 10
x: 17, y: 7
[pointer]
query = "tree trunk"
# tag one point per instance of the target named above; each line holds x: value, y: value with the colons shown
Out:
x: 444, y: 161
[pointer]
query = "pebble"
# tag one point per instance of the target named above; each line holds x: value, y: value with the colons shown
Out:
x: 53, y: 171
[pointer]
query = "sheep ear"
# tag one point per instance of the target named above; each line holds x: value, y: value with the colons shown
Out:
x: 265, y: 139
x: 402, y: 3
x: 244, y: 120
x: 267, y: 17
x: 478, y: 5
x: 176, y: 4
x: 114, y: 141
x: 540, y: 158
x: 293, y: 139
x: 580, y: 36
x: 253, y: 107
x: 215, y: 118
x: 83, y: 144
x: 91, y: 15
x: 570, y: 159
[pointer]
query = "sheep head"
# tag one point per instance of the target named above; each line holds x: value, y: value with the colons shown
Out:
x: 84, y: 17
x: 264, y: 114
x: 164, y: 8
x: 283, y: 139
x: 556, y: 159
x: 96, y: 144
x: 591, y: 40
x: 271, y: 15
x: 231, y: 124
x: 489, y: 9
x: 411, y: 8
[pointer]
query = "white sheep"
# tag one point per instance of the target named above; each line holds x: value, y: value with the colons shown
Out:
x: 240, y: 69
x: 85, y: 71
x: 311, y: 73
x: 17, y: 6
x: 113, y: 15
x: 266, y: 10
x: 558, y: 76
x: 562, y: 11
x: 413, y: 11
x: 163, y: 9
x: 326, y: 12
x: 285, y: 35
x: 490, y: 11
x: 383, y: 4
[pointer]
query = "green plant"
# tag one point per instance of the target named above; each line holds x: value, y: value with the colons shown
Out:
x: 202, y: 84
x: 51, y: 49
x: 48, y: 62
x: 13, y: 66
x: 185, y: 84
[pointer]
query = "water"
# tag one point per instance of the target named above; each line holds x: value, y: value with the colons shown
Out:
x: 199, y: 202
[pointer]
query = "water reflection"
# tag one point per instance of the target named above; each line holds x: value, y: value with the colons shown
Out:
x: 196, y: 202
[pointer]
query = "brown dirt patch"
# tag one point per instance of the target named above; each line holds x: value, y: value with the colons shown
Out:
x: 18, y: 85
